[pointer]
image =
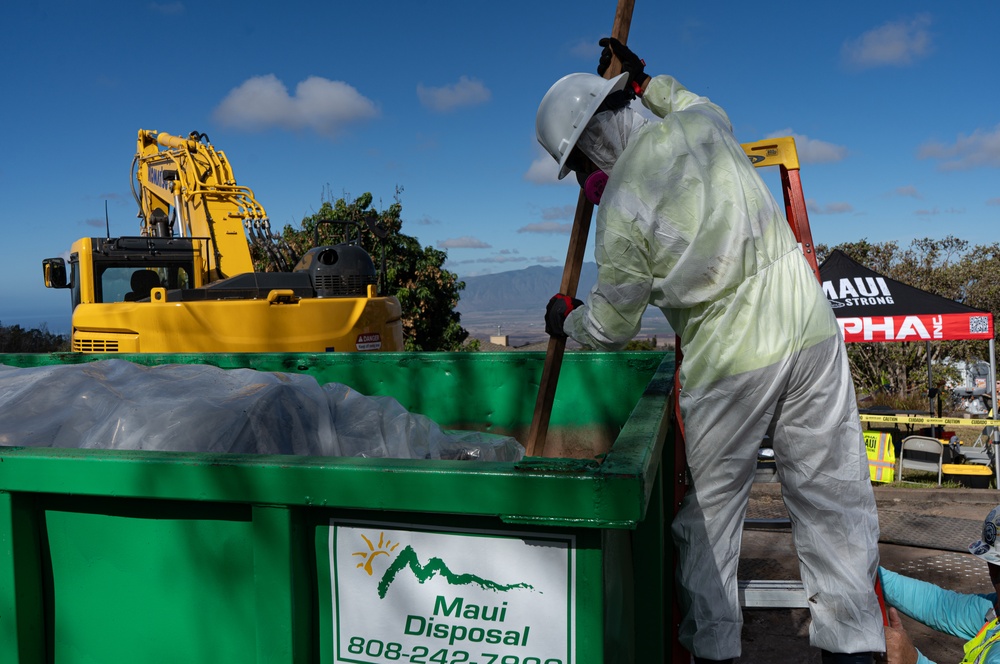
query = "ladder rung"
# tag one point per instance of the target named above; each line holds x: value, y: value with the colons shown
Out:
x: 767, y: 524
x: 761, y: 594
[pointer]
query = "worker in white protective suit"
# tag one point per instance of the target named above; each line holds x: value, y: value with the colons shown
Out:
x: 686, y: 224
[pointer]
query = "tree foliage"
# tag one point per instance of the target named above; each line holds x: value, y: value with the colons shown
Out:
x: 948, y: 267
x: 641, y: 344
x: 426, y: 291
x: 15, y: 339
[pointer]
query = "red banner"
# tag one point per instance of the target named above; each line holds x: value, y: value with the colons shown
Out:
x: 929, y: 327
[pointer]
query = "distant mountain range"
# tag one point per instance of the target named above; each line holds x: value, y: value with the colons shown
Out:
x: 515, y: 301
x: 527, y: 289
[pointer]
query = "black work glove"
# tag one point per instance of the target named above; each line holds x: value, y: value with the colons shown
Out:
x: 618, y: 99
x: 556, y: 311
x: 632, y: 64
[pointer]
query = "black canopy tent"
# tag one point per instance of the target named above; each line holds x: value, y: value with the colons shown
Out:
x: 874, y: 308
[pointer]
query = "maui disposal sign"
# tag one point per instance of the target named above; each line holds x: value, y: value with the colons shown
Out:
x: 407, y: 594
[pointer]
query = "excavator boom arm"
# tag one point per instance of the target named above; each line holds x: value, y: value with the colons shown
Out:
x: 192, y: 182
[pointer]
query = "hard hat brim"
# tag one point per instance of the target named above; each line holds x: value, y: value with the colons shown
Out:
x: 984, y: 551
x: 613, y: 85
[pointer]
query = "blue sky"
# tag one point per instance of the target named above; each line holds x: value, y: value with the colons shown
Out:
x: 894, y: 106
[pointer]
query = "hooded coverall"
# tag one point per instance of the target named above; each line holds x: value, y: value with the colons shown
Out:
x: 686, y: 224
x: 970, y: 617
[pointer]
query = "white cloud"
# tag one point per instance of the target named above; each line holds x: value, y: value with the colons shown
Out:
x: 465, y: 242
x: 167, y: 8
x: 548, y: 227
x: 693, y: 31
x: 493, y: 259
x: 811, y: 150
x: 993, y: 201
x: 321, y: 105
x: 561, y: 212
x: 829, y: 208
x: 978, y: 150
x: 908, y: 191
x: 586, y: 49
x: 543, y: 170
x: 503, y: 259
x: 467, y: 92
x: 895, y: 44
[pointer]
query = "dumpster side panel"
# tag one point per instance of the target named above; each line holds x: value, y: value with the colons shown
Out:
x: 22, y: 619
x: 284, y: 585
x: 150, y: 583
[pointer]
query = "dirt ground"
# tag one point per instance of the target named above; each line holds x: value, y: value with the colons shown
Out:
x: 935, y: 527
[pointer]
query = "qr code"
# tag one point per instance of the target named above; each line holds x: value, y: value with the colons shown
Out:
x: 979, y: 324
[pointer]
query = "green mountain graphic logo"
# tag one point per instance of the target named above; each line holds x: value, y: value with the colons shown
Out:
x: 407, y: 559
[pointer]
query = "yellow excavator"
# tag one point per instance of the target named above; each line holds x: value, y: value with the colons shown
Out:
x: 186, y: 283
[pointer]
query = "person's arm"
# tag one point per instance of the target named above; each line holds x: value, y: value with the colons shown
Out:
x: 664, y: 94
x: 613, y: 313
x: 947, y: 611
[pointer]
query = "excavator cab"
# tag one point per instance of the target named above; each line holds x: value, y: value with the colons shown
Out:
x: 125, y: 269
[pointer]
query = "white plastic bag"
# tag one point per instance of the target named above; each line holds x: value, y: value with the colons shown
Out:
x: 114, y: 404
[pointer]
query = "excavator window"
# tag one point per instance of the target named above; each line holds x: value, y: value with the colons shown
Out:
x: 113, y: 284
x: 74, y: 278
x: 142, y: 282
x: 131, y: 284
x: 151, y: 261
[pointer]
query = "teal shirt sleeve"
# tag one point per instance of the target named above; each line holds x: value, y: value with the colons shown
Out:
x: 958, y: 614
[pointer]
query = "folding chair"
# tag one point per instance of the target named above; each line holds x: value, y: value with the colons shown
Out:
x: 985, y: 436
x: 924, y: 445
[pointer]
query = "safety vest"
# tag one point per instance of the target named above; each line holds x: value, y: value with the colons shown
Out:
x: 881, y: 456
x: 978, y: 647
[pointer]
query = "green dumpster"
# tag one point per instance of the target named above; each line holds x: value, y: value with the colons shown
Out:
x: 110, y: 557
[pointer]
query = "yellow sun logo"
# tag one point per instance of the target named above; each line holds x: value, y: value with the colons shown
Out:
x: 383, y: 549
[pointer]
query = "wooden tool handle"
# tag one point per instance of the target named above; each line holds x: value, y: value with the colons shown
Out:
x: 571, y: 271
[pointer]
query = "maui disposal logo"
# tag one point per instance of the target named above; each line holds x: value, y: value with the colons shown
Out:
x: 451, y: 596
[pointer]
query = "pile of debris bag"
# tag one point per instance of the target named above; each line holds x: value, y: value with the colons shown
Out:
x: 115, y: 404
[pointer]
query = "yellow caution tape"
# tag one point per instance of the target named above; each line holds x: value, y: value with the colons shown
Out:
x: 918, y: 419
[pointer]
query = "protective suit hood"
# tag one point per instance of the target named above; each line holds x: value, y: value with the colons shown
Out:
x: 608, y: 134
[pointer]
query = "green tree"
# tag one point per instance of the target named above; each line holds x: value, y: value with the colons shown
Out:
x: 426, y: 291
x: 641, y: 344
x: 15, y: 339
x: 949, y: 267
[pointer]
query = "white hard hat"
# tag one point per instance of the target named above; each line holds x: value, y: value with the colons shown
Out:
x: 567, y: 108
x: 986, y: 548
